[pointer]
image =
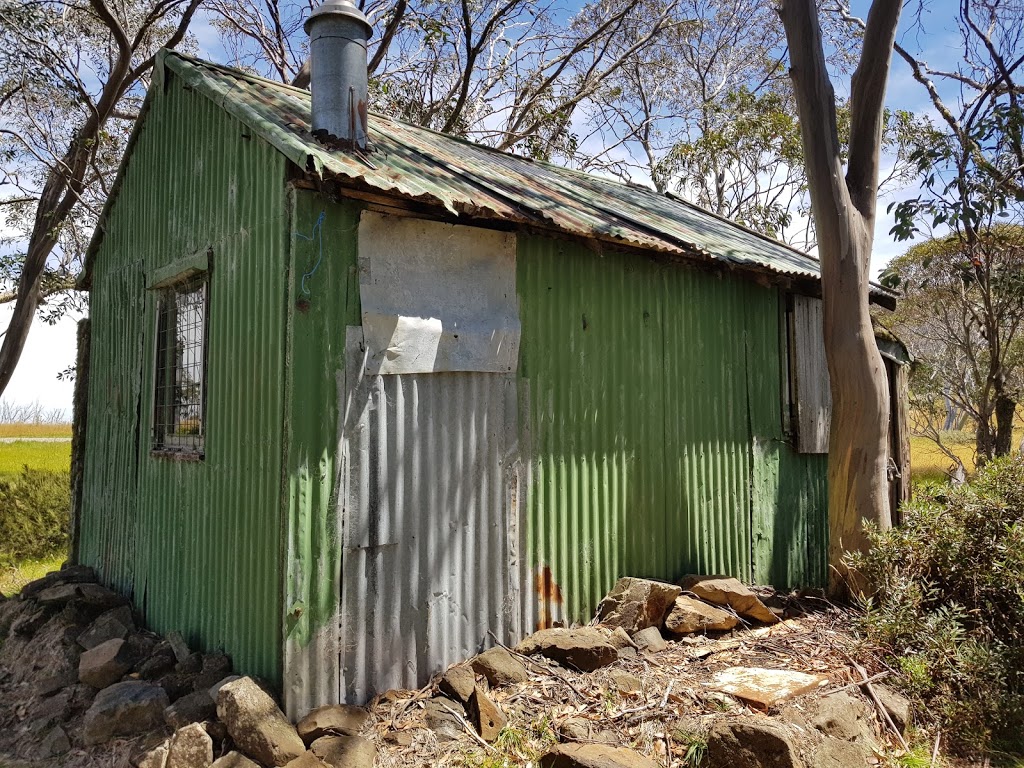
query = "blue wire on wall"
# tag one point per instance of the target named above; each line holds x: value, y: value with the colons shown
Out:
x: 318, y: 235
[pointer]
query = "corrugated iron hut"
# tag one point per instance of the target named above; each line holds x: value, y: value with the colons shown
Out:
x: 350, y: 409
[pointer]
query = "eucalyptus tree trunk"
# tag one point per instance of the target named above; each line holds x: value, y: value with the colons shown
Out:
x: 844, y: 208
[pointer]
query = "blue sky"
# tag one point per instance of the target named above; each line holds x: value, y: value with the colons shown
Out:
x: 51, y: 349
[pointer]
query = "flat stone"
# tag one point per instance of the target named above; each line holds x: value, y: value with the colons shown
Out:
x: 190, y: 747
x: 345, y: 751
x: 650, y: 640
x: 439, y: 716
x: 234, y: 760
x: 124, y: 709
x: 688, y: 616
x: 458, y: 683
x: 635, y: 604
x: 725, y: 590
x: 105, y: 664
x: 485, y: 715
x: 333, y: 719
x: 88, y: 593
x: 595, y: 756
x: 115, y: 624
x: 499, y: 667
x: 73, y: 574
x: 192, y: 708
x: 256, y: 724
x: 584, y: 649
x: 764, y: 687
x: 744, y: 744
x: 401, y: 738
x: 214, y: 689
x: 897, y: 705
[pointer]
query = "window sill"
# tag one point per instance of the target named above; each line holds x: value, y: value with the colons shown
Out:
x: 170, y: 453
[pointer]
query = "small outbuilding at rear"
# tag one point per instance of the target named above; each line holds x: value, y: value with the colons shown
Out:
x: 352, y: 413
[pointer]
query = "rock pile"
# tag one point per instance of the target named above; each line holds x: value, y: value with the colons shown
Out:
x: 78, y: 674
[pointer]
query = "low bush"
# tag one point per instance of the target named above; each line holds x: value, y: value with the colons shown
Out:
x: 34, y: 515
x: 947, y: 613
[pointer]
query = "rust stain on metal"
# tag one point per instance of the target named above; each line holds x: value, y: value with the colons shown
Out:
x: 549, y: 599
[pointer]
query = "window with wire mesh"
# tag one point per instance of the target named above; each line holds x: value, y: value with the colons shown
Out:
x: 179, y: 419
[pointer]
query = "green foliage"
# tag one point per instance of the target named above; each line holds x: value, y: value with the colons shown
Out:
x: 948, y: 608
x: 34, y: 515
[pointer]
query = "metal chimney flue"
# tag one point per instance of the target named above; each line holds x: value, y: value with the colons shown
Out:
x: 338, y: 32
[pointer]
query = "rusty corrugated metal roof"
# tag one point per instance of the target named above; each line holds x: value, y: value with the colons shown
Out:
x: 418, y: 164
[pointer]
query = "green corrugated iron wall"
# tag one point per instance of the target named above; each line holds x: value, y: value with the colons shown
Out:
x: 197, y: 543
x: 322, y: 305
x: 648, y: 388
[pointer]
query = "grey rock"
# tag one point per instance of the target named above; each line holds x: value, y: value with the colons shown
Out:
x: 584, y: 649
x: 215, y: 667
x: 179, y: 646
x: 333, y: 719
x: 154, y: 758
x: 54, y: 743
x: 619, y: 638
x: 499, y: 667
x: 746, y: 744
x: 215, y: 688
x: 458, y: 683
x: 114, y: 624
x: 306, y: 760
x: 635, y: 604
x: 124, y: 709
x: 897, y: 705
x: 345, y: 751
x: 623, y: 682
x: 105, y: 664
x: 190, y: 747
x: 439, y: 716
x: 485, y: 715
x: 650, y: 640
x: 837, y: 753
x: 159, y: 662
x: 234, y: 760
x: 687, y: 616
x: 594, y: 756
x: 192, y: 708
x: 31, y: 621
x: 842, y: 717
x: 257, y: 725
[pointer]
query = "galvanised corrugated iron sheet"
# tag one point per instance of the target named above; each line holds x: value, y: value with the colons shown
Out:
x: 430, y: 516
x: 466, y: 178
x: 198, y: 543
x: 314, y: 388
x: 645, y: 388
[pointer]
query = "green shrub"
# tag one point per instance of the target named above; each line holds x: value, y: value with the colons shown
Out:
x: 34, y: 515
x: 947, y: 613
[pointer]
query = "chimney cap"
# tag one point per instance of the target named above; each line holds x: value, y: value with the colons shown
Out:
x: 339, y: 8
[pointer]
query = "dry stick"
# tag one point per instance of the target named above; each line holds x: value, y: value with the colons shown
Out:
x: 935, y: 751
x: 469, y: 729
x: 866, y: 683
x: 872, y: 679
x: 664, y: 699
x: 547, y: 669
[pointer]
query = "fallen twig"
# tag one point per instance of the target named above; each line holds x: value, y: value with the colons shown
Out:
x: 859, y: 683
x: 537, y: 664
